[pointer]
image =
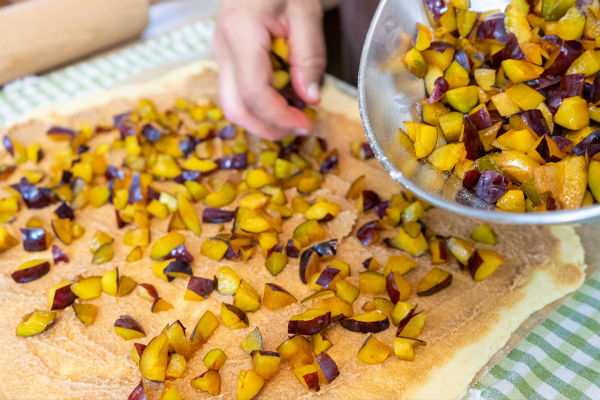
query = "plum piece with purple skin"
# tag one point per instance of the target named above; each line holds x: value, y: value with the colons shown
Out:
x: 553, y: 40
x: 152, y: 194
x: 512, y: 51
x: 34, y: 239
x: 491, y: 186
x: 291, y: 250
x: 590, y: 145
x: 8, y: 145
x: 179, y: 267
x: 440, y: 87
x: 181, y: 252
x: 151, y: 132
x: 326, y: 277
x: 317, y: 322
x: 436, y: 7
x: 293, y: 147
x: 202, y: 286
x: 593, y: 89
x: 535, y: 120
x: 63, y: 298
x: 461, y: 57
x: 570, y: 86
x: 59, y: 255
x: 235, y: 161
x: 570, y: 50
x: 65, y: 211
x: 187, y: 145
x: 440, y: 46
x: 370, y: 199
x: 138, y: 392
x: 120, y: 221
x: 34, y: 197
x: 212, y: 215
x: 492, y: 27
x: 113, y: 172
x: 472, y: 140
x: 135, y: 190
x: 357, y: 324
x: 326, y: 249
x: 481, y: 118
x: 381, y: 208
x: 328, y: 367
x: 227, y: 132
x: 330, y: 163
x: 31, y: 273
x: 561, y: 141
x: 60, y: 132
x: 367, y: 233
x: 309, y: 264
x: 188, y: 175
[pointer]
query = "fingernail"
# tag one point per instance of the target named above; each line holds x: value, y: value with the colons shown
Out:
x: 313, y: 91
x: 301, y: 131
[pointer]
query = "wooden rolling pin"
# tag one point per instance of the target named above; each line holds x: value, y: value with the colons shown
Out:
x: 36, y: 35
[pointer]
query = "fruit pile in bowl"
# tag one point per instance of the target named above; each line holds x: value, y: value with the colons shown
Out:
x: 512, y: 107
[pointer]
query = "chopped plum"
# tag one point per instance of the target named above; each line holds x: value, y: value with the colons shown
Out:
x: 216, y: 215
x: 60, y: 133
x: 470, y: 179
x: 135, y: 190
x: 512, y: 51
x: 181, y: 252
x: 291, y: 250
x: 440, y: 87
x: 58, y: 255
x: 326, y: 249
x: 330, y: 163
x: 237, y: 161
x: 152, y: 132
x: 64, y: 211
x: 534, y: 119
x: 590, y: 145
x: 226, y: 132
x: 436, y: 7
x: 34, y: 197
x: 30, y: 271
x: 561, y: 141
x: 472, y: 140
x: 381, y: 208
x: 491, y: 186
x: 370, y: 199
x: 367, y: 233
x: 34, y: 239
x: 8, y: 145
x: 492, y: 27
x: 569, y: 51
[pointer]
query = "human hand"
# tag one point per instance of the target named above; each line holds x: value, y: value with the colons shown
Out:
x: 242, y: 44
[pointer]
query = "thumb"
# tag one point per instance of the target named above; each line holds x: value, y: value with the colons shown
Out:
x: 307, y: 48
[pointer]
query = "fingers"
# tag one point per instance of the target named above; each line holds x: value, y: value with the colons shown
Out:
x: 234, y: 108
x: 242, y: 45
x: 231, y: 102
x: 308, y: 57
x: 253, y: 72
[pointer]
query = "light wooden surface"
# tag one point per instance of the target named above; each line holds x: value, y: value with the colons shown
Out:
x: 38, y: 34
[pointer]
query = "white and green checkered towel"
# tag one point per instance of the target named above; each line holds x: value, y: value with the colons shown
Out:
x: 559, y: 359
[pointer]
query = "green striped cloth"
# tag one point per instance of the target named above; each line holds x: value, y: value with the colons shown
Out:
x: 559, y: 359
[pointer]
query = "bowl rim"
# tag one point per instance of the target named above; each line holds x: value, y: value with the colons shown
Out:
x: 583, y: 214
